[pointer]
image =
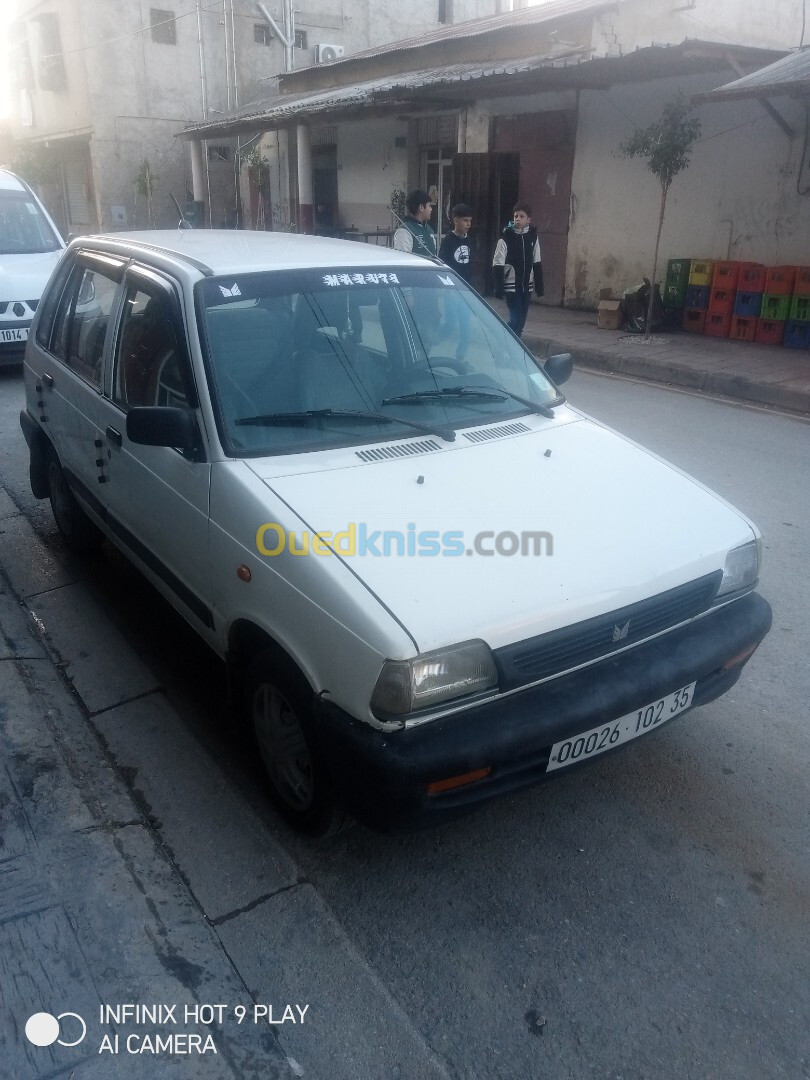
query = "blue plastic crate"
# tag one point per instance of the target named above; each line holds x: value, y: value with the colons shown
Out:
x: 697, y: 296
x: 797, y: 334
x: 748, y: 303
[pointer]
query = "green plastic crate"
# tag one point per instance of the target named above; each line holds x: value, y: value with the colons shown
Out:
x: 775, y: 307
x: 800, y: 309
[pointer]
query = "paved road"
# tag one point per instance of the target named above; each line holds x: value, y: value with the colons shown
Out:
x: 643, y: 919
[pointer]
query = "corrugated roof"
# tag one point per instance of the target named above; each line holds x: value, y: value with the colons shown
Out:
x: 533, y: 16
x: 448, y: 85
x: 790, y: 75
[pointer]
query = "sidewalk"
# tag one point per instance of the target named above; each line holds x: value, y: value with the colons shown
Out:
x: 765, y: 374
x: 134, y: 872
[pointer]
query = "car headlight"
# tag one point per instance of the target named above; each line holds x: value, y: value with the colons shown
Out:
x: 741, y: 569
x: 406, y: 685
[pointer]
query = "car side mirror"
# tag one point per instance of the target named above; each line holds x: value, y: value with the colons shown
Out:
x: 163, y: 425
x: 559, y: 368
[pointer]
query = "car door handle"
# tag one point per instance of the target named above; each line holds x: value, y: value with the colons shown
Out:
x: 48, y: 380
x: 114, y: 435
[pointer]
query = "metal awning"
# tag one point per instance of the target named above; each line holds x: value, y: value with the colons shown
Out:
x: 452, y: 86
x: 789, y: 76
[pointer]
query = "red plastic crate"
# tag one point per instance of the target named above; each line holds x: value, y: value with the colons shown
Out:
x: 752, y: 278
x: 770, y: 331
x: 743, y: 328
x: 717, y: 324
x: 721, y: 301
x: 693, y: 320
x: 725, y: 275
x: 801, y: 286
x: 780, y: 280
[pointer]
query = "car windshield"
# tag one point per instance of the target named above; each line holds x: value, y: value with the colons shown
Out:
x: 24, y: 229
x: 310, y: 359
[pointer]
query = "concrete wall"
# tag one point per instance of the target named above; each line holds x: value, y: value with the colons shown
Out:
x: 369, y: 168
x: 639, y: 23
x: 737, y: 199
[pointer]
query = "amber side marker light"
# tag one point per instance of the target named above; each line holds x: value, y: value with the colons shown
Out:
x: 437, y: 786
x: 740, y: 658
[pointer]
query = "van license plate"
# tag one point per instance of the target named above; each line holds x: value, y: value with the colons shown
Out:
x: 18, y: 334
x: 606, y: 736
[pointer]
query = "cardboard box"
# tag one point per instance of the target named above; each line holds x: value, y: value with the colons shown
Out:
x: 609, y: 315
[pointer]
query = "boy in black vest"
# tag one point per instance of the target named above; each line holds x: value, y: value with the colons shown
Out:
x: 414, y: 233
x: 517, y: 266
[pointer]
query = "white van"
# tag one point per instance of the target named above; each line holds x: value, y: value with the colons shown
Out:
x: 432, y: 579
x: 30, y: 246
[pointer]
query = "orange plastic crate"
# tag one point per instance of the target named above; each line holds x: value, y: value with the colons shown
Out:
x: 693, y: 320
x: 721, y: 301
x: 725, y: 275
x: 770, y: 331
x: 752, y: 278
x: 743, y: 328
x: 801, y: 286
x: 717, y: 324
x: 780, y: 280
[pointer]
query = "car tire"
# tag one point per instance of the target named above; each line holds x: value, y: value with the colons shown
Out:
x: 279, y: 711
x: 77, y: 530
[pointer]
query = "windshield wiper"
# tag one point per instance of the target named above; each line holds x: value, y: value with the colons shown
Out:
x: 282, y: 418
x: 479, y: 393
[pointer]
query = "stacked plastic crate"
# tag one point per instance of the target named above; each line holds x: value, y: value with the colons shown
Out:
x: 698, y: 286
x: 779, y: 281
x: 675, y: 288
x: 721, y: 298
x: 748, y: 301
x: 797, y: 327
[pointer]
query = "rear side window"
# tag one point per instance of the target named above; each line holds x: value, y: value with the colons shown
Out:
x: 80, y: 329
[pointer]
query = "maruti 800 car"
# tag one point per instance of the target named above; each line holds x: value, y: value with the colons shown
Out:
x: 431, y: 578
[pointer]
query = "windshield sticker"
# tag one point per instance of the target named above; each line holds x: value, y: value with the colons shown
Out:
x: 446, y: 280
x: 360, y: 279
x: 233, y: 291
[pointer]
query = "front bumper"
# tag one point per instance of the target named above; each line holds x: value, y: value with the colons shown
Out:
x: 381, y: 777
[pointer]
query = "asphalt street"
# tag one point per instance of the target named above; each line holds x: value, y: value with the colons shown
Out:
x: 645, y: 919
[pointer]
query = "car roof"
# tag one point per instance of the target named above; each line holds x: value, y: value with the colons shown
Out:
x: 228, y: 251
x: 10, y: 182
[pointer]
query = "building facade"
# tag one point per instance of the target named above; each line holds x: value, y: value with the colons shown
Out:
x: 102, y: 89
x: 535, y: 104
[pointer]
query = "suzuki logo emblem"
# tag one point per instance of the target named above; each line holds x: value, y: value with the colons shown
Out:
x: 620, y: 632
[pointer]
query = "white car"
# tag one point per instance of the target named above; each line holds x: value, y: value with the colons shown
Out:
x: 30, y: 247
x: 431, y: 578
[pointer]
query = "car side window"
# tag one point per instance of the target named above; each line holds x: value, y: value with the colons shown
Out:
x: 147, y: 366
x: 82, y: 322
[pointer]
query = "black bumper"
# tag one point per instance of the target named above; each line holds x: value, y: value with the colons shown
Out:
x: 381, y: 776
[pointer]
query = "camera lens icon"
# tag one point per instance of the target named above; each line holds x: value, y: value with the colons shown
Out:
x: 43, y: 1029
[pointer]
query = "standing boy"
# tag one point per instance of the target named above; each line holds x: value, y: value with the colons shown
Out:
x: 455, y: 246
x: 414, y: 234
x: 517, y: 266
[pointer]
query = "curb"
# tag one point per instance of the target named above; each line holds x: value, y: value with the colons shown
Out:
x: 667, y: 373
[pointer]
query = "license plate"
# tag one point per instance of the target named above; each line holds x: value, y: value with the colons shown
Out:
x: 605, y: 737
x: 18, y: 334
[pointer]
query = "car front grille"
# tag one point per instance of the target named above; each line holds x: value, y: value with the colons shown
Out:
x: 570, y: 647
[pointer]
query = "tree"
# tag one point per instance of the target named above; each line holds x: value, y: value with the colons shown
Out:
x: 666, y: 145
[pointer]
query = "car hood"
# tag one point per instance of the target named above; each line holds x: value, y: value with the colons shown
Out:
x: 23, y: 277
x: 618, y: 525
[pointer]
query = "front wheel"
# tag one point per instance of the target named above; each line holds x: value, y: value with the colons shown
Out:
x: 78, y: 531
x: 278, y: 706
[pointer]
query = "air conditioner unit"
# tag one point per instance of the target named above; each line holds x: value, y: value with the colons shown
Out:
x: 325, y: 53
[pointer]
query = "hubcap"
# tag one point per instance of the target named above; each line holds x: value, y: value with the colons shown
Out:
x: 283, y: 747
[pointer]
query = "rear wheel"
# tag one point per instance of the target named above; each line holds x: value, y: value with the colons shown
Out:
x: 278, y: 706
x: 78, y: 531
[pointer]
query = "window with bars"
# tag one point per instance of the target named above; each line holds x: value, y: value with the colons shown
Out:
x: 262, y: 34
x: 300, y: 39
x: 164, y: 26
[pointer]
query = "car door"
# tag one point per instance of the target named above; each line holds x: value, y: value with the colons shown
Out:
x: 68, y: 361
x: 157, y: 496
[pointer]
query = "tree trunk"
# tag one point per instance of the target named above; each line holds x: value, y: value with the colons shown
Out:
x: 648, y: 324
